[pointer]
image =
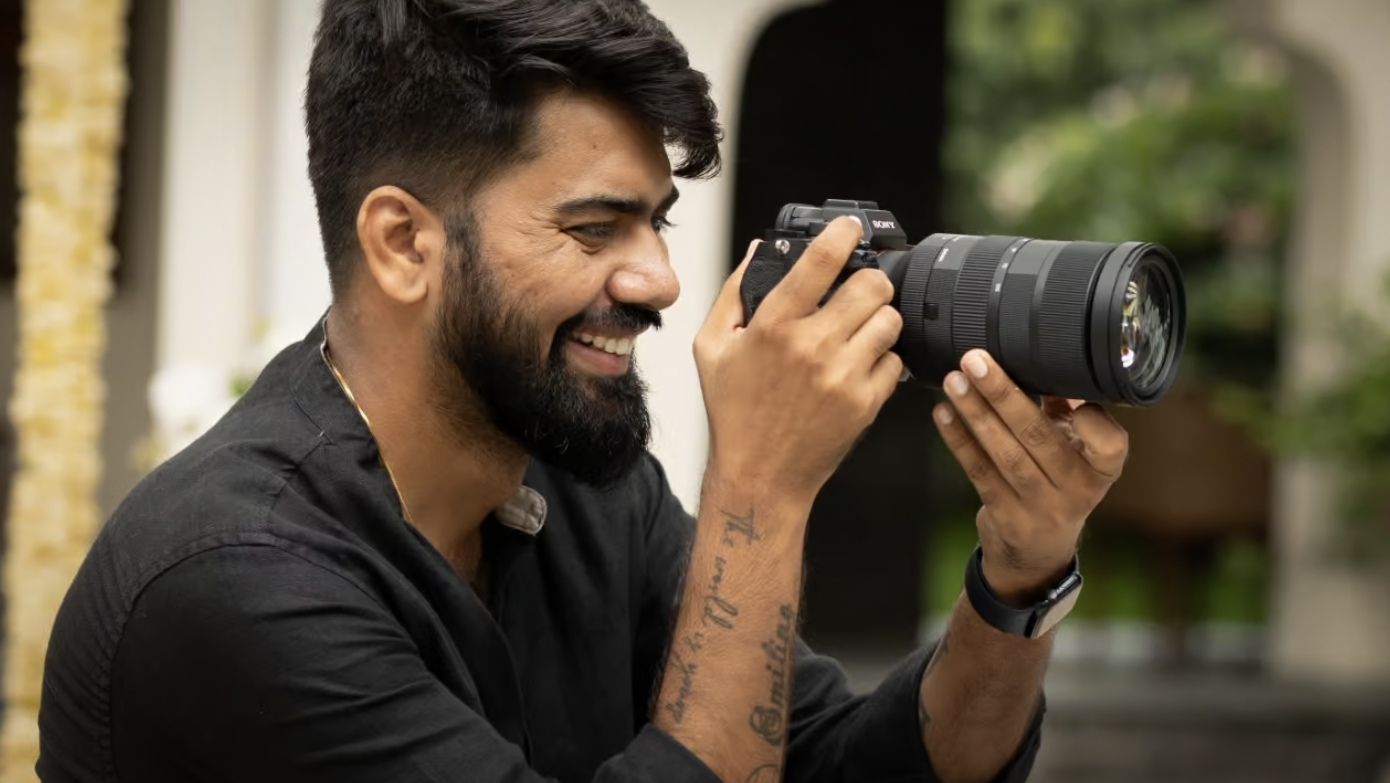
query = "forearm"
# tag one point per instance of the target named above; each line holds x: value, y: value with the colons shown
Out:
x: 979, y: 696
x: 727, y: 685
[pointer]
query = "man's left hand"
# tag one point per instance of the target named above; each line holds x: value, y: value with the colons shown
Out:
x: 1040, y: 471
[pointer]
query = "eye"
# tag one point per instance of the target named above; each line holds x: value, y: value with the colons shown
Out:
x: 594, y: 232
x: 661, y: 223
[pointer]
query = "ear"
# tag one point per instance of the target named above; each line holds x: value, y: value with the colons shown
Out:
x: 402, y: 244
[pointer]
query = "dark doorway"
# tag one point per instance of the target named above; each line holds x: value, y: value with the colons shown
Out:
x: 847, y: 100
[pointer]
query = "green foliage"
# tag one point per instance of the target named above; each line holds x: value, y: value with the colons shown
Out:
x: 1345, y: 425
x: 1115, y: 120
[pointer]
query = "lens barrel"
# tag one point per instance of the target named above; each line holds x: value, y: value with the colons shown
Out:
x: 1082, y: 320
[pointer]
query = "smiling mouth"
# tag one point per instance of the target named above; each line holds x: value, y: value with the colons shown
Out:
x: 617, y: 346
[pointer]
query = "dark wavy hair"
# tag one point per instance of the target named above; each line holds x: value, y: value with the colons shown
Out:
x: 440, y: 96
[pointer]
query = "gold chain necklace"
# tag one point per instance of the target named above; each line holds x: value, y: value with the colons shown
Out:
x: 342, y: 382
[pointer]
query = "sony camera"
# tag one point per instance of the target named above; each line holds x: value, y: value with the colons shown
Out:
x: 1095, y: 321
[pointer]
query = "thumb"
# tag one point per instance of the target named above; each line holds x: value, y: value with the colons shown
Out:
x: 727, y: 312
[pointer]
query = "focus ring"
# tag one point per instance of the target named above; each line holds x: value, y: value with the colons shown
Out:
x: 937, y: 331
x: 970, y: 310
x: 1063, y: 345
x: 913, y: 343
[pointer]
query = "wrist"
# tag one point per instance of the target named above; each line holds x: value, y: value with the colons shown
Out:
x: 741, y: 483
x: 1018, y: 588
x: 778, y: 510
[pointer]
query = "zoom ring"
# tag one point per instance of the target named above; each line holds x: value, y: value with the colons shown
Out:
x: 970, y: 310
x: 912, y: 346
x: 1063, y: 348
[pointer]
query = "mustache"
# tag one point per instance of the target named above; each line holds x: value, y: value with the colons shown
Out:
x: 621, y: 317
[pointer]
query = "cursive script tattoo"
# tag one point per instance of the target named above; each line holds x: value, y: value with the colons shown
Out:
x: 687, y: 672
x: 767, y: 773
x: 769, y: 720
x: 694, y: 642
x: 717, y: 610
x: 739, y: 526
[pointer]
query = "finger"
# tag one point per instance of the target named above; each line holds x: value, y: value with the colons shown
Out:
x: 878, y: 335
x: 993, y: 489
x: 727, y: 312
x: 1105, y: 444
x: 800, y: 292
x: 1029, y: 425
x: 1010, y: 456
x: 1059, y: 411
x: 1060, y: 407
x: 883, y: 379
x: 856, y: 302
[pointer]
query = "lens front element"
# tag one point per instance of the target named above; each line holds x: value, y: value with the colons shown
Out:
x: 1146, y: 326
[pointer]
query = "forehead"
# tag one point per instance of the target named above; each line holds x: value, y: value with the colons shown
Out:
x: 585, y: 144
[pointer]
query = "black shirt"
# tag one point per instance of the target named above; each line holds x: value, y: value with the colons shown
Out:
x: 258, y: 609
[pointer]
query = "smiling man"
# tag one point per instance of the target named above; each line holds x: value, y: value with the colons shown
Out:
x: 430, y: 545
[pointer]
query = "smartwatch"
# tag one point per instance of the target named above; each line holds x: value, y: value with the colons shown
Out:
x: 1031, y: 622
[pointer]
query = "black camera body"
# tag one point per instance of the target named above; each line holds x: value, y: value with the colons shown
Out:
x: 797, y: 226
x: 1085, y: 320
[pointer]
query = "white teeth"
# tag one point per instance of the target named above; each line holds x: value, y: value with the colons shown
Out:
x: 618, y: 346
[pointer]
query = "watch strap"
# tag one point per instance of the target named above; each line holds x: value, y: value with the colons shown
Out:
x: 1030, y: 622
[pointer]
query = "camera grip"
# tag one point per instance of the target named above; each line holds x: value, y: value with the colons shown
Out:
x: 761, y: 276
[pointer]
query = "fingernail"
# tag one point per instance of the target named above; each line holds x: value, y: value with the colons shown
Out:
x: 976, y: 365
x: 944, y: 415
x: 957, y: 384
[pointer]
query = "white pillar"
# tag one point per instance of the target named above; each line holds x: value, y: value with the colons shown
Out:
x: 293, y: 280
x: 211, y: 233
x: 719, y: 35
x: 1329, y: 621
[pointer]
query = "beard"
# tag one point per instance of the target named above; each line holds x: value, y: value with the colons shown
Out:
x: 596, y: 428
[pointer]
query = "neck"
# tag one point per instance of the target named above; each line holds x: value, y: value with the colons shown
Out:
x: 449, y: 476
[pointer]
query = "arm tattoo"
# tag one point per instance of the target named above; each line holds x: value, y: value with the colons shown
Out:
x: 687, y: 673
x: 717, y: 610
x: 769, y: 720
x: 739, y: 526
x: 767, y: 773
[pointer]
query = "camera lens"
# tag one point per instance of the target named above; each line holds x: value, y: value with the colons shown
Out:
x: 1145, y: 326
x: 1084, y: 320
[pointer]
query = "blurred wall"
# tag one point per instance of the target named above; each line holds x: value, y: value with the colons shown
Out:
x: 1329, y: 620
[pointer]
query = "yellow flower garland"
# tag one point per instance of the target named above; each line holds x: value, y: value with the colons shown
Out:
x: 74, y: 89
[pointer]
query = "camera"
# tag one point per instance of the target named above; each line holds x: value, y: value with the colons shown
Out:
x: 1095, y: 321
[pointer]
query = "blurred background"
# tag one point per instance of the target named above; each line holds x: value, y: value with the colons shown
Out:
x: 1235, y: 624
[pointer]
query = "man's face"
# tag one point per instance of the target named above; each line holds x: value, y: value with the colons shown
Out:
x: 557, y: 270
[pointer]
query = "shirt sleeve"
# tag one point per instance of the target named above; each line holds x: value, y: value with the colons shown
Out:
x: 252, y: 663
x: 835, y: 736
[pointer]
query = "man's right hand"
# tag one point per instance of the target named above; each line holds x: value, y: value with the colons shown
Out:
x: 788, y: 395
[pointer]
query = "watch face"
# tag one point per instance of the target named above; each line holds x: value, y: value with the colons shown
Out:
x: 1049, y: 617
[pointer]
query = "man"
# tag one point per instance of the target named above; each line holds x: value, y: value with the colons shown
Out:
x: 429, y: 544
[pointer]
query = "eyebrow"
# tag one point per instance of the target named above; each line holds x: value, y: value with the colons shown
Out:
x: 622, y: 205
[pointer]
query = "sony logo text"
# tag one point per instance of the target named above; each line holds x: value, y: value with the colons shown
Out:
x: 885, y: 224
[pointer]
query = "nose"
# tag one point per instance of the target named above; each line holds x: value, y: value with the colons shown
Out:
x: 646, y: 279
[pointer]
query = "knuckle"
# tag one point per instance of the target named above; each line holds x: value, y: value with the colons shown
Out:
x: 1037, y: 433
x: 892, y: 320
x: 996, y: 390
x: 977, y: 469
x: 989, y: 496
x: 1014, y: 461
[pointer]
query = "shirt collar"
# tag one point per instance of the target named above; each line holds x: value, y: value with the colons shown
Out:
x: 524, y: 511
